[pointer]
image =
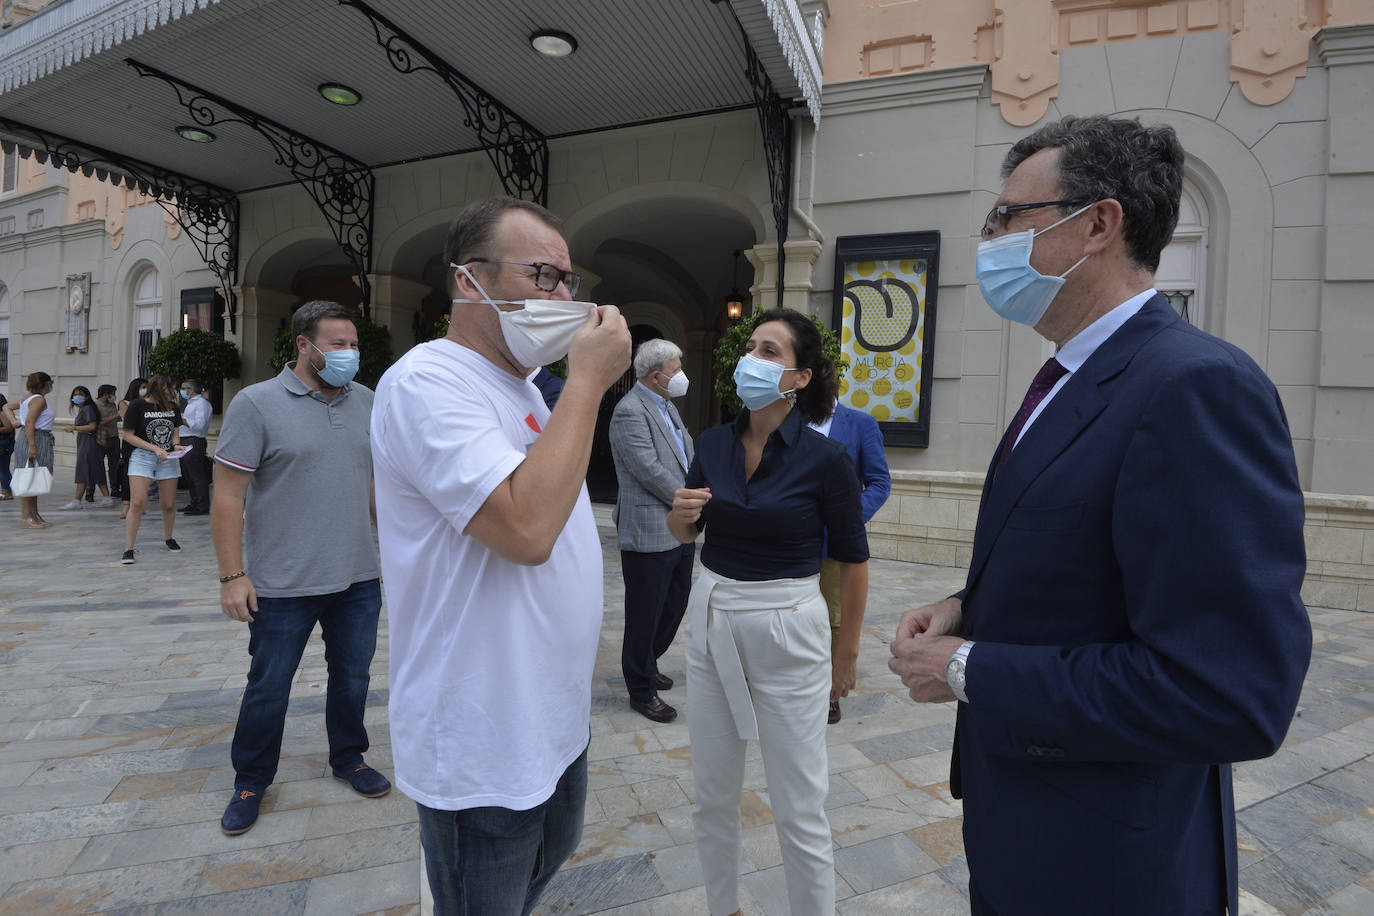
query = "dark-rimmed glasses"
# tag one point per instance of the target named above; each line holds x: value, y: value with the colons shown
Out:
x: 546, y: 276
x: 997, y: 216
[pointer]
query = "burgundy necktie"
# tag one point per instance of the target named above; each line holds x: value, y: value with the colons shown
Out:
x: 1040, y: 386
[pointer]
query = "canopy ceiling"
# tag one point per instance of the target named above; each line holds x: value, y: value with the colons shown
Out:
x: 65, y: 71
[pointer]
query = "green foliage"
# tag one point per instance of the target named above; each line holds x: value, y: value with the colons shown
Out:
x: 194, y: 353
x: 374, y: 348
x: 731, y: 347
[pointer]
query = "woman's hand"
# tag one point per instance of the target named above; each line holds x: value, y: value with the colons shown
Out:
x: 843, y: 673
x: 687, y: 504
x: 161, y: 453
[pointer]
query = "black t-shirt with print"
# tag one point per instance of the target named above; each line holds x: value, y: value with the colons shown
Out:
x: 151, y: 423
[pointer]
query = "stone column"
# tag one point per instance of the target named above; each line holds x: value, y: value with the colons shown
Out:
x: 395, y: 302
x: 798, y: 274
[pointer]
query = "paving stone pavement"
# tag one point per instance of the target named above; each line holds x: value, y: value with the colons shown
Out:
x: 119, y: 690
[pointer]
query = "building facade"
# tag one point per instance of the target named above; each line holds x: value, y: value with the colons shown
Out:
x: 904, y: 133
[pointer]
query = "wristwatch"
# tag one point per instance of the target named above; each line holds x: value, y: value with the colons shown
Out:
x: 956, y: 674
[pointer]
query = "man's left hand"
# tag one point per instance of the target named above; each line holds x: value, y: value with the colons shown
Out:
x: 920, y: 662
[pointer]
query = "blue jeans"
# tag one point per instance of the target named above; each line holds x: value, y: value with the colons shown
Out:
x: 278, y: 633
x: 6, y: 450
x: 495, y: 861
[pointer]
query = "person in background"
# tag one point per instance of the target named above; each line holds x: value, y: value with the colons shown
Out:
x: 6, y: 451
x: 292, y: 524
x: 550, y: 386
x: 32, y: 418
x: 769, y: 491
x: 861, y: 437
x: 652, y: 451
x: 194, y: 465
x: 107, y: 436
x: 150, y: 426
x: 90, y: 470
x: 137, y: 388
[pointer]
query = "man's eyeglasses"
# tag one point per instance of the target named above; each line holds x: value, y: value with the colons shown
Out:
x: 997, y: 216
x: 546, y: 276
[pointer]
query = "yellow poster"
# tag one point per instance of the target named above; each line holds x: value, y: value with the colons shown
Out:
x: 882, y: 335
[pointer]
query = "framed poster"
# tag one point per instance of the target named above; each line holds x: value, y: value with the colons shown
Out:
x: 885, y: 288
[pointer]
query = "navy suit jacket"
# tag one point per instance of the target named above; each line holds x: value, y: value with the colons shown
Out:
x: 1134, y: 597
x: 863, y: 440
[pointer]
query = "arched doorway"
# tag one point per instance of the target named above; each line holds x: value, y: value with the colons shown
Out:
x: 667, y: 259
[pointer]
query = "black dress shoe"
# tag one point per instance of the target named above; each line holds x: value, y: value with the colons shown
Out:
x: 190, y: 511
x: 654, y: 709
x: 663, y: 682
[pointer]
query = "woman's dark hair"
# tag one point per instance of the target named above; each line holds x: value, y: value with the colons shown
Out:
x: 131, y: 393
x: 817, y: 400
x: 162, y: 392
x: 37, y: 381
x: 104, y: 390
x: 79, y: 389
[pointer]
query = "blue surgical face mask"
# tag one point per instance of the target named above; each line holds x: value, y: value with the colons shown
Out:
x: 756, y: 381
x: 339, y: 366
x: 143, y: 392
x: 78, y: 399
x: 1016, y: 290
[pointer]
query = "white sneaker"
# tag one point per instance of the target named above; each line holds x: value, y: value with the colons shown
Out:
x: 74, y: 504
x: 104, y: 503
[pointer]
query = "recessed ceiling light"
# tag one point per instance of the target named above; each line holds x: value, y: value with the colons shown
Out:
x: 195, y: 134
x: 340, y: 94
x: 553, y: 44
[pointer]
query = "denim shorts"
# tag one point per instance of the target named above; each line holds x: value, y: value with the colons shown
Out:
x: 143, y: 463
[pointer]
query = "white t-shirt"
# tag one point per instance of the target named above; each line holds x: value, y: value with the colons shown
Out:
x: 491, y: 662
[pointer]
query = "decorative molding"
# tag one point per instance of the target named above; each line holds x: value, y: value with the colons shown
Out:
x: 73, y: 31
x: 1343, y: 45
x: 921, y: 87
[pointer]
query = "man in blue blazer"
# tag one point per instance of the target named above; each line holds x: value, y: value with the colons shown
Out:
x: 1131, y: 622
x: 858, y: 432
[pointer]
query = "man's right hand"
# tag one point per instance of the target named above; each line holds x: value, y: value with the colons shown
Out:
x: 601, y: 348
x: 940, y: 619
x: 238, y: 599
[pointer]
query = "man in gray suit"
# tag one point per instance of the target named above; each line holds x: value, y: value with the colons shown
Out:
x: 652, y: 451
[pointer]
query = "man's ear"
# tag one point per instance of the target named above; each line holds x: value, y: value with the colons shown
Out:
x: 1106, y: 222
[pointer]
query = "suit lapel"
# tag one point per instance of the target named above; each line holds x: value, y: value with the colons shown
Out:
x: 1075, y: 407
x: 656, y: 418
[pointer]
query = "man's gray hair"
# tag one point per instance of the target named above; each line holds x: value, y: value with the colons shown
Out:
x: 652, y: 354
x: 306, y: 320
x: 196, y: 385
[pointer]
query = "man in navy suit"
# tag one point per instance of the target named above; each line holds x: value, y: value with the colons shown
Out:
x: 858, y: 432
x: 1131, y: 622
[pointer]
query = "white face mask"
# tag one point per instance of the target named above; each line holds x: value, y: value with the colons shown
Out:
x: 677, y: 385
x: 542, y: 331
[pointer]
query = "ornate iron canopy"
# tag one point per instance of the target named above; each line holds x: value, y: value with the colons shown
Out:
x: 341, y: 186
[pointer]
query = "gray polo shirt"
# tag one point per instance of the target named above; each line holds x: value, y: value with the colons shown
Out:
x: 307, y: 528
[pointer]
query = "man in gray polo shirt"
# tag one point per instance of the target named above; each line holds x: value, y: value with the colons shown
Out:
x: 292, y: 523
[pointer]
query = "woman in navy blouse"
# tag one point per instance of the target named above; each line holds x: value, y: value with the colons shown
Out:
x: 768, y: 491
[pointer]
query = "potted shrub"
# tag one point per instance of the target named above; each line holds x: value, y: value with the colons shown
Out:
x: 198, y: 354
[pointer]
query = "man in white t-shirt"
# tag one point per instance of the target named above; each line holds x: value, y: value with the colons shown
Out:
x: 491, y: 560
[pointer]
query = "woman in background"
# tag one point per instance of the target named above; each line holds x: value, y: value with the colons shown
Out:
x: 33, y: 438
x: 150, y: 426
x: 137, y: 389
x: 90, y: 470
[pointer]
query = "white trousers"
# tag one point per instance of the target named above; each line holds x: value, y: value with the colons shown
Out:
x: 758, y: 666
